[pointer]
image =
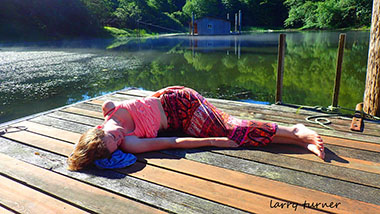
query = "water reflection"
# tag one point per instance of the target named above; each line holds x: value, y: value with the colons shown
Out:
x: 36, y: 77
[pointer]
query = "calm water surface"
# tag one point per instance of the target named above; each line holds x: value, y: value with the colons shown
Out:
x: 36, y: 77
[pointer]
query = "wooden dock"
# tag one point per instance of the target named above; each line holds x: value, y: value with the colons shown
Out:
x: 272, y: 179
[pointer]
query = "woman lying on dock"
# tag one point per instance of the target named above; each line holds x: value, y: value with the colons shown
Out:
x: 132, y: 126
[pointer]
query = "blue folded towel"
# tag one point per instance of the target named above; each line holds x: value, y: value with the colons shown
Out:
x: 118, y: 159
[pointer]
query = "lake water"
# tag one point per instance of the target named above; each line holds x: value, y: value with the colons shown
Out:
x: 36, y: 77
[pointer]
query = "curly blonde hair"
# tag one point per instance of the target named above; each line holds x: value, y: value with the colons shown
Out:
x: 90, y: 147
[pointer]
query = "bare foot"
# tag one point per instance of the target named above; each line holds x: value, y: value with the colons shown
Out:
x: 309, y: 139
x: 302, y: 136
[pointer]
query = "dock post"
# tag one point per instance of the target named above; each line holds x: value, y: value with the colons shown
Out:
x: 342, y: 42
x: 280, y: 68
x: 372, y: 87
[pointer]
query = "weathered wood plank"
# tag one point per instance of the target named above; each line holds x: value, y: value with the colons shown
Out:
x: 344, y: 128
x: 27, y: 200
x: 235, y: 109
x: 126, y: 186
x: 49, y: 131
x: 314, y: 182
x: 79, y: 193
x: 83, y: 112
x: 357, y: 193
x: 81, y: 119
x: 5, y: 210
x: 353, y: 163
x: 302, y: 179
x: 356, y: 176
x: 218, y: 193
x: 356, y: 153
x: 331, y: 158
x: 202, y: 188
x: 244, y: 105
x: 338, y: 121
x: 352, y: 144
x: 61, y: 124
x: 316, y: 167
x: 260, y: 185
x: 329, y: 140
x: 46, y: 143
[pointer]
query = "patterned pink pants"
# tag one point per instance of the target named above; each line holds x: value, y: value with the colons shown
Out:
x: 191, y: 113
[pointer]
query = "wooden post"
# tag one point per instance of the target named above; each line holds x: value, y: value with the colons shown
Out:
x: 280, y: 68
x: 372, y: 88
x: 236, y: 22
x: 239, y: 21
x: 338, y: 74
x: 192, y: 23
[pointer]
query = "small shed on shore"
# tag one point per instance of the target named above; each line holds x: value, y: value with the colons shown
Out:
x: 211, y: 26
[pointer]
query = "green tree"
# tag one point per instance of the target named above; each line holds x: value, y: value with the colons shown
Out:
x: 325, y: 14
x: 203, y: 8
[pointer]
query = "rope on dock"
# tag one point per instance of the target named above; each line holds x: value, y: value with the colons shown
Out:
x: 321, y: 120
x: 329, y: 112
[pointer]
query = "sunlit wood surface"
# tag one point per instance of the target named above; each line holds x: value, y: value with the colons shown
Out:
x: 272, y: 179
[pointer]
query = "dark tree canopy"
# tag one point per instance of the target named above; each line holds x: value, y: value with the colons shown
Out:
x: 54, y: 19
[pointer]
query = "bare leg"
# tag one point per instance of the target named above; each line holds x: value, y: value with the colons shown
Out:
x: 302, y: 136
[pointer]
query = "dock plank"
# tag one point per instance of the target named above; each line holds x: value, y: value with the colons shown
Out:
x: 68, y: 189
x: 125, y: 186
x: 195, y: 186
x: 350, y: 162
x: 314, y: 167
x: 212, y: 191
x: 285, y: 175
x: 212, y: 180
x: 260, y: 185
x: 344, y: 132
x: 27, y: 200
x: 357, y: 176
x: 6, y: 210
x: 145, y: 175
x: 273, y: 109
x: 328, y: 139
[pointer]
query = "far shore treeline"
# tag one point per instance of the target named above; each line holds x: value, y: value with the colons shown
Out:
x: 58, y: 19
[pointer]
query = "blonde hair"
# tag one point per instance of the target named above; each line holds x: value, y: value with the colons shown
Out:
x: 90, y: 147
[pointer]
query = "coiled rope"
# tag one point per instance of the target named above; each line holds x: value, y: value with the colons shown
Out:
x: 330, y: 111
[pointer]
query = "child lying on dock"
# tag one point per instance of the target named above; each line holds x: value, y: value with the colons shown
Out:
x: 132, y: 127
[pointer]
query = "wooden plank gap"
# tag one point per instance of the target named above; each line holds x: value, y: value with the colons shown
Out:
x: 65, y: 187
x: 79, y: 111
x: 6, y: 210
x: 25, y: 199
x: 228, y: 196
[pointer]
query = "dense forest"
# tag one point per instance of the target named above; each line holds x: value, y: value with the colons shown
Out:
x: 56, y: 19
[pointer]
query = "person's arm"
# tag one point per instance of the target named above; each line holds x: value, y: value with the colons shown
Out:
x: 134, y: 144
